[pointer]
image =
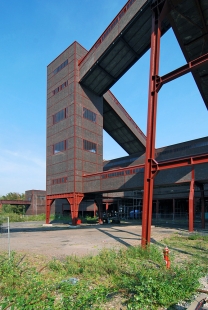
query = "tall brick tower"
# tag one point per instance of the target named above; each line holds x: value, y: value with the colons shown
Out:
x: 74, y: 130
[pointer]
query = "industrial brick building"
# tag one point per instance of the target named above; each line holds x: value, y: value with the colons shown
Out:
x: 80, y: 106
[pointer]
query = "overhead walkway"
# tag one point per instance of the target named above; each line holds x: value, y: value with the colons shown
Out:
x: 125, y: 41
x: 127, y: 173
x: 121, y: 127
x: 127, y: 38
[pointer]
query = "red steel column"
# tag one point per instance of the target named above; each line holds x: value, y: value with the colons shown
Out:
x: 151, y: 131
x: 191, y: 202
x: 106, y: 207
x: 48, y: 208
x: 74, y: 199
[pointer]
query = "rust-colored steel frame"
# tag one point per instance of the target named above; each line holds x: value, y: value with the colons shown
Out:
x: 151, y: 130
x: 73, y: 198
x: 191, y: 202
x: 151, y: 166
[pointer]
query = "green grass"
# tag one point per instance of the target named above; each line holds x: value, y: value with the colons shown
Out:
x: 14, y: 217
x: 137, y: 277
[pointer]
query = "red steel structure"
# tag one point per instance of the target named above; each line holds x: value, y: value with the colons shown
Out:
x: 78, y: 97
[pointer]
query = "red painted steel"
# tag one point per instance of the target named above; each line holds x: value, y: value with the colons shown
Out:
x: 166, y: 256
x: 180, y: 162
x: 191, y: 201
x: 151, y: 130
x: 190, y: 66
x: 74, y: 199
x: 108, y: 29
x: 49, y: 202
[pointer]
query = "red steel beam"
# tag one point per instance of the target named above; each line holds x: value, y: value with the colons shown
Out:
x: 180, y: 162
x: 191, y: 202
x: 190, y: 66
x: 151, y: 132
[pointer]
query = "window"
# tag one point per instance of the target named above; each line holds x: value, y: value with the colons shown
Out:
x: 59, y: 147
x: 58, y: 89
x: 91, y: 116
x: 89, y: 146
x: 59, y: 116
x: 64, y: 64
x: 59, y: 180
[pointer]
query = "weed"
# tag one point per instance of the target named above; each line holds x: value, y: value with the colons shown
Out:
x: 139, y: 277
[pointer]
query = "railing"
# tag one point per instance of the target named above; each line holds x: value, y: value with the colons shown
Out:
x: 126, y: 113
x: 109, y: 28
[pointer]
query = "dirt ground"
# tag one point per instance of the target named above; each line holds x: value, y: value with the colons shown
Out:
x: 62, y: 239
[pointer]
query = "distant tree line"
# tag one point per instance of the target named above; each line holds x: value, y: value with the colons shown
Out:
x: 7, y: 208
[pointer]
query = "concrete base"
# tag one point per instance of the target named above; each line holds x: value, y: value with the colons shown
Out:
x: 47, y: 225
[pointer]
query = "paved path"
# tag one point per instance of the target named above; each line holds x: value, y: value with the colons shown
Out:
x: 61, y: 239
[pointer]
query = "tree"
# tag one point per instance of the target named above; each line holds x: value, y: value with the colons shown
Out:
x: 19, y: 209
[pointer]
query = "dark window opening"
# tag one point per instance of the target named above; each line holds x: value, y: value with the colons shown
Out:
x: 89, y: 146
x: 58, y: 89
x: 59, y: 147
x: 59, y: 180
x: 64, y: 64
x: 59, y: 116
x: 91, y: 116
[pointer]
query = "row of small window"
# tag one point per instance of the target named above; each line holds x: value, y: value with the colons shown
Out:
x: 63, y: 146
x: 58, y: 89
x: 59, y: 180
x: 64, y: 64
x: 59, y: 116
x: 121, y: 173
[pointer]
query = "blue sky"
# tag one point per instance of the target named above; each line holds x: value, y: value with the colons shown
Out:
x: 35, y: 32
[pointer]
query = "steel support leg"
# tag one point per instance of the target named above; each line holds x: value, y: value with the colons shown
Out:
x: 48, y: 208
x: 99, y: 201
x: 74, y: 199
x: 191, y: 202
x: 151, y: 131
